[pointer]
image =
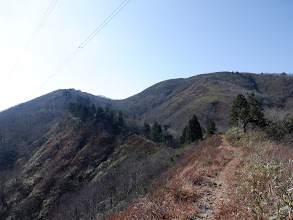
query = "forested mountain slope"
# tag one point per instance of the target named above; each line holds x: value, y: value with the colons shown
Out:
x: 62, y: 145
x: 86, y: 159
x: 209, y: 96
x: 172, y: 102
x: 23, y: 128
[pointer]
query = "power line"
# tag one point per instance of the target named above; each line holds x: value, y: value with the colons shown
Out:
x: 43, y: 20
x: 104, y: 23
x: 36, y: 31
x: 88, y: 39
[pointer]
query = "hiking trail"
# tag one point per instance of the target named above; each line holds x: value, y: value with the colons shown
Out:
x: 216, y: 189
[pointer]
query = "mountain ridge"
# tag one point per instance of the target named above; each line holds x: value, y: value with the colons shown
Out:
x: 83, y: 150
x: 184, y: 97
x: 171, y: 99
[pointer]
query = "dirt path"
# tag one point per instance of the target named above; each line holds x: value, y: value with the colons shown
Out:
x: 216, y: 189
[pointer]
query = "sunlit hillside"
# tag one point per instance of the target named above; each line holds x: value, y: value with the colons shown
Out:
x: 166, y: 153
x: 233, y: 176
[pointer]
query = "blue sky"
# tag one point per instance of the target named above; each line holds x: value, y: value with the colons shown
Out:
x: 147, y: 42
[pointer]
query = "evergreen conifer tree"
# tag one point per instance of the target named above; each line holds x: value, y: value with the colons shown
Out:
x: 192, y: 132
x: 240, y: 112
x: 120, y: 119
x: 157, y: 132
x: 211, y: 128
x: 182, y: 138
x: 146, y: 130
x: 244, y: 112
x: 256, y: 115
x: 100, y: 115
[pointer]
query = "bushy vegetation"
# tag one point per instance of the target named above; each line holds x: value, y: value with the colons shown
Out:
x: 157, y: 133
x: 262, y: 188
x: 109, y: 120
x: 103, y: 118
x: 250, y: 112
x: 211, y: 128
x: 126, y: 174
x: 246, y: 112
x: 177, y: 194
x: 8, y: 156
x: 91, y: 165
x: 279, y: 124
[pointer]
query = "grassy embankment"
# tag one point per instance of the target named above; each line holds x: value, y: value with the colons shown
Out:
x: 263, y: 186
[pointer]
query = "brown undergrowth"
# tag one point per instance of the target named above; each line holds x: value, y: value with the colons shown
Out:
x: 182, y: 191
x: 245, y: 177
x: 263, y: 186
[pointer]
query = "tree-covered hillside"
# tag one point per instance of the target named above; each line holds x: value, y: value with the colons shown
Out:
x: 89, y: 157
x: 208, y: 96
x: 69, y: 150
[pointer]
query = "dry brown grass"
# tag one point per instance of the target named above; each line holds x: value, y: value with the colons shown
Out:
x: 263, y: 186
x: 177, y: 193
x: 258, y: 183
x: 258, y: 186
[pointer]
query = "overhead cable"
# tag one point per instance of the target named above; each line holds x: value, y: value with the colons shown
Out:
x: 43, y: 20
x: 36, y: 31
x: 87, y: 40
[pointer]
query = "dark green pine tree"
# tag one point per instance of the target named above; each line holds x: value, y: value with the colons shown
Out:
x: 240, y: 112
x: 192, y: 132
x: 109, y: 115
x: 120, y: 119
x: 247, y: 111
x: 146, y: 130
x: 256, y: 115
x: 166, y: 135
x: 100, y: 115
x: 211, y: 128
x: 157, y: 132
x: 182, y: 138
x: 84, y: 112
x: 93, y: 110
